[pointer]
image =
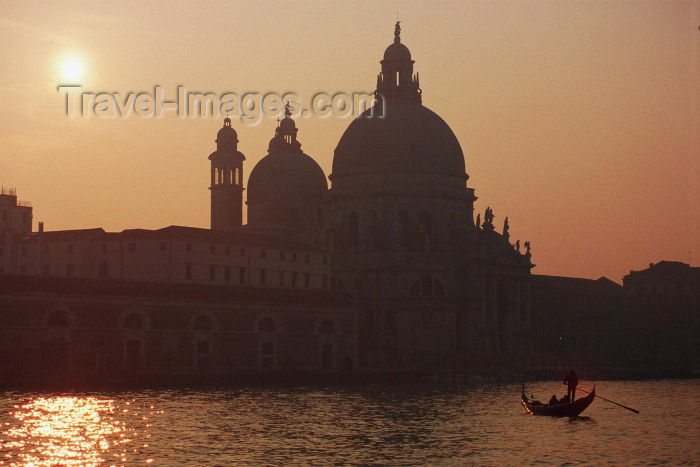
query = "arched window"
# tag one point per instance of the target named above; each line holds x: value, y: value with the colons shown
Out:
x: 326, y: 327
x: 202, y: 323
x: 58, y: 319
x: 133, y: 321
x: 427, y: 287
x: 266, y: 325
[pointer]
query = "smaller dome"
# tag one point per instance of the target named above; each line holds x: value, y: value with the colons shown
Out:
x: 227, y: 138
x: 285, y: 175
x: 397, y: 51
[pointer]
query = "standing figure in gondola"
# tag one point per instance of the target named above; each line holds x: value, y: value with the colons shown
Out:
x: 572, y: 381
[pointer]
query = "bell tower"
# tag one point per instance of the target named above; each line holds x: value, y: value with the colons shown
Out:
x: 226, y: 180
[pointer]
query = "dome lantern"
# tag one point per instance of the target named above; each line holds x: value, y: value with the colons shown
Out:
x: 396, y: 80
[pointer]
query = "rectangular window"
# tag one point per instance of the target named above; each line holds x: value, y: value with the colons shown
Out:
x: 282, y: 278
x: 227, y: 274
x: 4, y: 214
x: 203, y: 347
x: 325, y: 281
x: 241, y: 276
x: 212, y: 249
x: 294, y: 279
x: 228, y: 251
x: 46, y: 269
x: 163, y: 246
x: 104, y: 248
x: 263, y: 276
x: 69, y: 270
x: 132, y: 247
x: 241, y: 252
x: 263, y: 254
x: 47, y: 250
x: 212, y: 273
x: 2, y: 251
x: 188, y: 246
x: 294, y: 256
x: 188, y: 271
x: 307, y: 259
x: 307, y: 280
x: 281, y: 255
x: 70, y: 248
x: 23, y: 269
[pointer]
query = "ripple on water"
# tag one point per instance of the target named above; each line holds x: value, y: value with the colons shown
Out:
x: 377, y: 425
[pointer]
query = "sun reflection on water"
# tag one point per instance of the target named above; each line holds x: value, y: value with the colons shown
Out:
x: 69, y: 430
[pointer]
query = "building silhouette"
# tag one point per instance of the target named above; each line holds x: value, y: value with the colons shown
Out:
x: 436, y: 288
x: 662, y: 311
x: 385, y: 268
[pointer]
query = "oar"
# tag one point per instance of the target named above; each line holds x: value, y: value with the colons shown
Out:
x: 623, y: 406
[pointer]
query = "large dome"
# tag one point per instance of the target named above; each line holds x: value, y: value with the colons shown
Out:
x: 409, y: 138
x: 287, y: 177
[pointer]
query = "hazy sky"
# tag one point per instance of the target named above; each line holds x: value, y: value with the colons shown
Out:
x: 580, y: 121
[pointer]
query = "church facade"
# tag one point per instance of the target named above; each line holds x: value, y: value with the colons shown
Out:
x: 436, y: 287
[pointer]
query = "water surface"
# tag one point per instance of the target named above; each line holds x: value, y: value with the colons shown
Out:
x: 428, y: 424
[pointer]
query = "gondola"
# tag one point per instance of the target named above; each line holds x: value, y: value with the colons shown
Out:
x: 571, y: 409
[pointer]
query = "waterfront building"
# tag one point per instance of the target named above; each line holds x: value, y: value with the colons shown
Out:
x: 662, y: 309
x: 577, y: 323
x: 97, y: 329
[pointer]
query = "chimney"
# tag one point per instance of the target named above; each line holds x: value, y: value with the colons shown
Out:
x: 41, y: 227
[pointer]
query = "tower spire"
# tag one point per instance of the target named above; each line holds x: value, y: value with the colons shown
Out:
x: 397, y: 33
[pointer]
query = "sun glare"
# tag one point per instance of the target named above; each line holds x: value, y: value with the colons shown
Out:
x: 72, y: 70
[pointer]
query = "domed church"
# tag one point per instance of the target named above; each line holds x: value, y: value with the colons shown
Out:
x: 437, y: 288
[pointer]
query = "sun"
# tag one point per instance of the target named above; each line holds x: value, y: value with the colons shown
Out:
x: 72, y: 70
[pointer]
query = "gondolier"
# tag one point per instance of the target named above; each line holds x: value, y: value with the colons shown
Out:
x: 572, y: 381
